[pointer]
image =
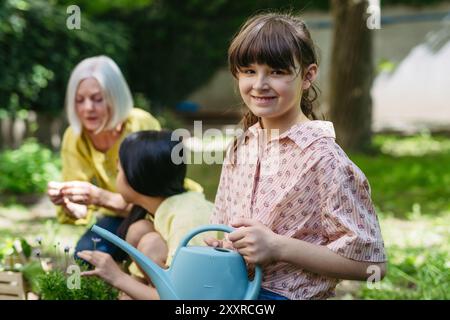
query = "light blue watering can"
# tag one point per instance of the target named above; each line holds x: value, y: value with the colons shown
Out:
x: 196, y: 273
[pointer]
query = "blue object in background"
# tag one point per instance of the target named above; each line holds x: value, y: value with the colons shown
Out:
x: 187, y: 106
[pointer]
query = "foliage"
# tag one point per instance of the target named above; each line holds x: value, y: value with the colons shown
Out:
x: 166, y: 118
x: 31, y: 273
x: 53, y: 286
x: 418, y: 259
x: 409, y: 174
x: 15, y: 255
x: 27, y: 169
x: 38, y: 52
x: 166, y: 48
x: 14, y: 248
x: 420, y: 274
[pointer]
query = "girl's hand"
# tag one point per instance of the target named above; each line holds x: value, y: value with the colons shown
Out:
x: 254, y: 241
x: 81, y: 192
x: 105, y: 267
x: 213, y: 242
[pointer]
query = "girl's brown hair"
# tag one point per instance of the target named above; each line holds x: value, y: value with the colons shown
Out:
x: 278, y: 40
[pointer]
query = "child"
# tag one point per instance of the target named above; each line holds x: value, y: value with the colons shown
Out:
x: 149, y: 178
x: 303, y: 209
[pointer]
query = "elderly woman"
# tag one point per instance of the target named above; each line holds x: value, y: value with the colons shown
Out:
x: 101, y: 114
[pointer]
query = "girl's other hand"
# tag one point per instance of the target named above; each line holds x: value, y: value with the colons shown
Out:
x: 213, y: 242
x: 81, y: 192
x: 105, y: 267
x: 254, y: 241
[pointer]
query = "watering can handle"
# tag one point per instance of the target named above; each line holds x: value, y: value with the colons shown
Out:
x: 209, y: 227
x: 255, y: 284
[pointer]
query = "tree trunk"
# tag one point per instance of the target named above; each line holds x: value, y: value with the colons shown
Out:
x: 351, y: 75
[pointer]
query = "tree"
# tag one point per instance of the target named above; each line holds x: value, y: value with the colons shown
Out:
x: 351, y: 75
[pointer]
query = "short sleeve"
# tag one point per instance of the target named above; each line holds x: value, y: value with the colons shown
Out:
x: 142, y: 120
x: 349, y: 221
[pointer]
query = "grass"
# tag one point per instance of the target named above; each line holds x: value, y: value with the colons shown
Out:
x: 419, y: 261
x: 409, y: 174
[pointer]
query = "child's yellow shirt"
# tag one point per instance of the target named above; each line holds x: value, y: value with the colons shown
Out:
x: 178, y: 215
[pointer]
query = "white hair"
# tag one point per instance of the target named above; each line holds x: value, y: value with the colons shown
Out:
x: 115, y: 90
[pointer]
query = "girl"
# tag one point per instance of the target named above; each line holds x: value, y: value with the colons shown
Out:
x: 302, y: 209
x: 148, y: 178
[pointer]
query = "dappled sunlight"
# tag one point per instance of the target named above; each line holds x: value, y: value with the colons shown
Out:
x: 416, y: 146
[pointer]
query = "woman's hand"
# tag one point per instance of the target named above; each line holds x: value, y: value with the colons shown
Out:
x: 75, y: 210
x: 105, y: 267
x: 54, y: 192
x: 81, y: 192
x: 254, y: 241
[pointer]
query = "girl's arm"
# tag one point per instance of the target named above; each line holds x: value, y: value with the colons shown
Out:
x: 321, y: 260
x: 134, y: 288
x: 107, y: 269
x: 260, y: 245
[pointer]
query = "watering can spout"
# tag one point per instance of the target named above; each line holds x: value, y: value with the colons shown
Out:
x: 158, y: 276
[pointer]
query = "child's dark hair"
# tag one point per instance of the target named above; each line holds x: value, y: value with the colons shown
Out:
x: 278, y: 40
x: 146, y: 160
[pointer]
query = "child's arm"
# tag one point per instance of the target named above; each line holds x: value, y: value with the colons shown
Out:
x: 135, y: 289
x: 321, y: 260
x: 260, y: 245
x: 108, y: 270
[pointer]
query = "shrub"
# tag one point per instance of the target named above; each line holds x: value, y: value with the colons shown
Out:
x: 27, y: 169
x: 53, y: 286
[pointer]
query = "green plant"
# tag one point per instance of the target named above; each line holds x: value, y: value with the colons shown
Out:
x: 54, y: 286
x: 14, y: 252
x: 414, y: 273
x: 28, y: 168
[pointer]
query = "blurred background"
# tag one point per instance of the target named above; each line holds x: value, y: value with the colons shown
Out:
x: 392, y: 116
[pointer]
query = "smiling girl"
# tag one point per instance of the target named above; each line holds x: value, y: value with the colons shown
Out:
x: 302, y: 209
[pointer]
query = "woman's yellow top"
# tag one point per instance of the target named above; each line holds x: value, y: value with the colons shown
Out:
x: 82, y: 162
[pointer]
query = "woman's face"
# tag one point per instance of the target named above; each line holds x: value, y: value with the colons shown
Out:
x: 90, y: 105
x: 123, y: 187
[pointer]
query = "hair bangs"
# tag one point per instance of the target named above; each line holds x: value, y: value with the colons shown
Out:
x: 272, y: 44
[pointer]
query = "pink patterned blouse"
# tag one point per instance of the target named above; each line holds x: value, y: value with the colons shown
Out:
x: 301, y: 185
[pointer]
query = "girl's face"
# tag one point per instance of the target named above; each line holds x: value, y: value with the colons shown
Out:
x: 90, y: 105
x: 122, y: 186
x: 271, y: 93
